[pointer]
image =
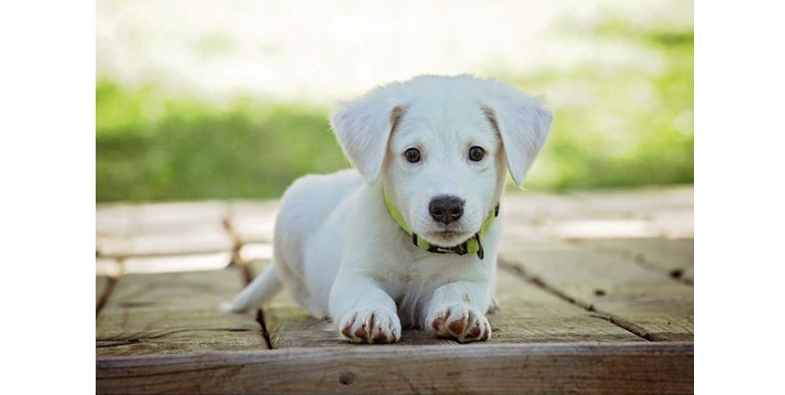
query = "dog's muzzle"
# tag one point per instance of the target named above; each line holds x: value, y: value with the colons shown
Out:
x: 471, y: 246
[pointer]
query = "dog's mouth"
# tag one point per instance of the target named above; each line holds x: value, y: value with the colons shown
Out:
x: 448, y: 233
x: 447, y: 237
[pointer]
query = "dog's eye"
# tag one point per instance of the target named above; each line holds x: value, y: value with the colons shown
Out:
x: 476, y: 153
x: 412, y: 155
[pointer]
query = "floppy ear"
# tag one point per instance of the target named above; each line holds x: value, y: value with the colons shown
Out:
x: 523, y: 124
x: 363, y: 128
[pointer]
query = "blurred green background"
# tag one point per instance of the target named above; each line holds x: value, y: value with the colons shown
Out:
x: 617, y: 122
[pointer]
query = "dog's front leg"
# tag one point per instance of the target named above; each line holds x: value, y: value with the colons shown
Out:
x: 456, y: 310
x: 367, y: 313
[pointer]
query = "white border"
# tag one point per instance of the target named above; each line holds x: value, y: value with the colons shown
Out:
x: 47, y: 208
x: 739, y: 196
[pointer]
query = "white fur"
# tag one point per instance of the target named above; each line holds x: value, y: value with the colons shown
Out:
x: 344, y: 257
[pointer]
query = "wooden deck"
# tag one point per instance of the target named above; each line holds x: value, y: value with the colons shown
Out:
x: 596, y: 294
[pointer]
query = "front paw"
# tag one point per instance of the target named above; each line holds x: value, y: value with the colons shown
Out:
x: 459, y: 322
x: 370, y: 326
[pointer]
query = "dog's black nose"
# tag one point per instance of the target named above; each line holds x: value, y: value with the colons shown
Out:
x: 446, y: 208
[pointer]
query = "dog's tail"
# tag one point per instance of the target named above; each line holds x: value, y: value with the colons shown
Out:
x: 259, y: 292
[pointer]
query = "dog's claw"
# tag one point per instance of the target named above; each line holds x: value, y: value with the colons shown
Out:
x: 370, y: 326
x: 461, y: 323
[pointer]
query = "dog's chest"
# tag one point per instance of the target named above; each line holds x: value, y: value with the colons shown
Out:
x: 413, y: 286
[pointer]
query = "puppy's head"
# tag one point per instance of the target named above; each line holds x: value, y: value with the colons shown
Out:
x: 440, y: 145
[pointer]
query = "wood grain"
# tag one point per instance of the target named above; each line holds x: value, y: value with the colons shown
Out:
x: 175, y: 313
x: 576, y: 368
x: 202, y: 239
x: 291, y: 326
x: 674, y: 257
x: 642, y: 301
x: 575, y: 315
x: 528, y: 314
x: 158, y: 218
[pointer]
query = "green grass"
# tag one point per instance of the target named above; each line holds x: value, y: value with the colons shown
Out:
x: 634, y: 129
x: 151, y: 148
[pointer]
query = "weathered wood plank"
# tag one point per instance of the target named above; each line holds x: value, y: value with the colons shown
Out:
x: 208, y: 238
x: 175, y: 313
x: 620, y: 368
x: 255, y: 252
x: 675, y: 257
x: 253, y: 222
x: 126, y: 219
x: 177, y: 263
x: 108, y: 267
x: 637, y: 200
x: 647, y: 212
x: 291, y: 326
x: 645, y: 302
x: 623, y: 203
x: 528, y: 314
x: 102, y: 287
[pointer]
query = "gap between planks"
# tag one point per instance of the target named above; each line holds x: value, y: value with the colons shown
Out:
x: 538, y: 282
x: 528, y: 314
x: 236, y: 242
x: 248, y: 278
x: 108, y: 286
x: 175, y: 313
x: 104, y: 285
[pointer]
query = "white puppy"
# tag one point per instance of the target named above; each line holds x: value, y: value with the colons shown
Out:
x: 411, y: 239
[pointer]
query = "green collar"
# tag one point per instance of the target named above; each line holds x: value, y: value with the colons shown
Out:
x: 471, y: 246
